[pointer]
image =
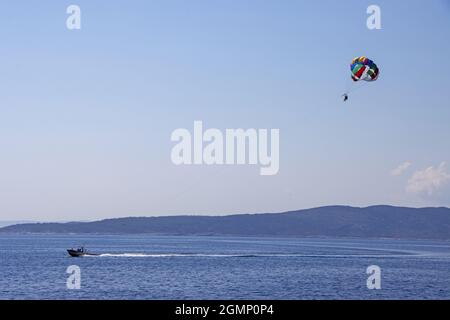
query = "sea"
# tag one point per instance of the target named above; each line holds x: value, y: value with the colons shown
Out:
x: 135, y: 267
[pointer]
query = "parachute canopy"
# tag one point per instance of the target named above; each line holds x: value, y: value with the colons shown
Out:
x: 365, y: 69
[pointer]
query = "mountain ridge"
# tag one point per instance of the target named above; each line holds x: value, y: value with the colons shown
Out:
x: 378, y: 221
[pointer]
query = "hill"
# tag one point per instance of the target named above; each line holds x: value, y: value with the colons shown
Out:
x: 331, y: 221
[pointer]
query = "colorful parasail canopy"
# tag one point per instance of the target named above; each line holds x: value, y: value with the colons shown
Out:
x: 365, y: 69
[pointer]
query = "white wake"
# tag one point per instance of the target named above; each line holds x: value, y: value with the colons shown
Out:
x: 262, y: 255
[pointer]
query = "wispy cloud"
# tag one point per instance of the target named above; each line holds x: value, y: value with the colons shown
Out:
x: 401, y: 168
x: 429, y: 180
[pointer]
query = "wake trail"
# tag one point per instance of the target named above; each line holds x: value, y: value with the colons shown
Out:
x: 262, y: 255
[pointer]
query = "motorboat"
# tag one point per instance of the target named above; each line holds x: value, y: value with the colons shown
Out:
x: 80, y: 252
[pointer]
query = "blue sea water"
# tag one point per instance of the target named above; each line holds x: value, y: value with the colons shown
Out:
x: 161, y: 267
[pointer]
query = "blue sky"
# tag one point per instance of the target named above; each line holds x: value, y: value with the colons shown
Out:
x: 86, y: 115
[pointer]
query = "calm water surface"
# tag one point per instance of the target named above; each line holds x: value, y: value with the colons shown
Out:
x: 159, y: 267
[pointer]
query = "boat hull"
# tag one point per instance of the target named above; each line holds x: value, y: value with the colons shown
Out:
x: 76, y: 254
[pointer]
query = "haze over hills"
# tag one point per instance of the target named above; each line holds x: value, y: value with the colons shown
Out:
x: 330, y: 221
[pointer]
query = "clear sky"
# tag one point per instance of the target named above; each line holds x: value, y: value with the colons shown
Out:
x: 86, y: 115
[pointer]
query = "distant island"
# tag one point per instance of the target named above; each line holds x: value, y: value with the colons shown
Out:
x: 330, y: 221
